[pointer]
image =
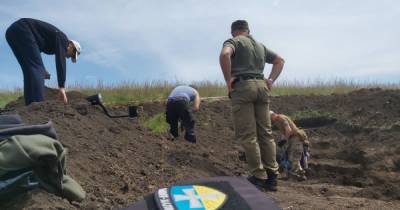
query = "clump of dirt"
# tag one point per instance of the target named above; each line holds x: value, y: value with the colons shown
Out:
x: 117, y: 161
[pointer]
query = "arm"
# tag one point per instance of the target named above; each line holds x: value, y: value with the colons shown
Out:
x: 277, y: 66
x: 196, y: 102
x: 60, y: 52
x: 288, y: 131
x: 283, y: 123
x: 60, y: 55
x: 225, y: 63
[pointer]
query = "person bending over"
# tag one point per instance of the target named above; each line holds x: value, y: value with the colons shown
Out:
x: 294, y: 144
x: 28, y: 38
x: 182, y: 101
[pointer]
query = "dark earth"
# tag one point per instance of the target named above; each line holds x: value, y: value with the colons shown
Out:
x: 355, y: 151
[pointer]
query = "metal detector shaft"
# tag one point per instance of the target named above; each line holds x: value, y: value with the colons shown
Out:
x: 108, y: 114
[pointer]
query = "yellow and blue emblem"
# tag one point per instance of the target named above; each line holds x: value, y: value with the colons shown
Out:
x: 196, y: 197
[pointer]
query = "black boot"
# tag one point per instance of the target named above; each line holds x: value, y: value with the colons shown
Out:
x: 190, y: 138
x: 272, y: 181
x: 259, y: 183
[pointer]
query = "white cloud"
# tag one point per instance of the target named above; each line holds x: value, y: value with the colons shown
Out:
x: 182, y: 39
x: 276, y: 2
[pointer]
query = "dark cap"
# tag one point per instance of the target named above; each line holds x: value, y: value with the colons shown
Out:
x: 239, y: 25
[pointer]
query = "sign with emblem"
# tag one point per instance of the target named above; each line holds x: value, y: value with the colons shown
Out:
x: 190, y: 197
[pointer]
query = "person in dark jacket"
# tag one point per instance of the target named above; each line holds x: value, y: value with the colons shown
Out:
x: 28, y: 38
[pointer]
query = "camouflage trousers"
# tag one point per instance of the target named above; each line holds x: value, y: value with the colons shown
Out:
x: 295, y: 152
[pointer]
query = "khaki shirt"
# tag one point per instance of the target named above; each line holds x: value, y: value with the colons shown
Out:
x: 249, y: 56
x: 284, y: 120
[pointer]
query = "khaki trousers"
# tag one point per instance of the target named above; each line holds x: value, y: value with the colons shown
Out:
x: 250, y: 110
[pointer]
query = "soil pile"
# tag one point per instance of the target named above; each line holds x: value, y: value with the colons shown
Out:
x: 355, y: 158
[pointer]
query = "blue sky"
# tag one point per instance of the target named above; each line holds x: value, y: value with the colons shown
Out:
x: 146, y: 40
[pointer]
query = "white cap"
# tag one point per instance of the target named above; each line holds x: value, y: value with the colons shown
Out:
x: 78, y: 50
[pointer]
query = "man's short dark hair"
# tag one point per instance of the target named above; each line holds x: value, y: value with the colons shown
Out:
x: 194, y: 86
x: 239, y: 25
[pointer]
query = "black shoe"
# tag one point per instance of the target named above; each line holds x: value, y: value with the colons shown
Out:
x: 259, y: 183
x: 190, y: 138
x: 174, y: 133
x: 272, y: 181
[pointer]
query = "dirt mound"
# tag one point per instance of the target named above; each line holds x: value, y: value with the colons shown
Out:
x: 355, y: 157
x: 49, y: 95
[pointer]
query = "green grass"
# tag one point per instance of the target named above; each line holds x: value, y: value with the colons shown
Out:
x: 8, y: 96
x: 156, y: 124
x: 131, y: 92
x: 128, y: 92
x: 320, y: 87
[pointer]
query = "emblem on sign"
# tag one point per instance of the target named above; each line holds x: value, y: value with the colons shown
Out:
x: 191, y: 197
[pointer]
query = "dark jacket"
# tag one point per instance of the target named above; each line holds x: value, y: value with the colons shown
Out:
x: 51, y: 41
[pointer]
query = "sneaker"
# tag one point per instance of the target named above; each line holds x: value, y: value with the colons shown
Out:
x: 172, y: 137
x: 297, y: 176
x: 259, y: 183
x: 174, y: 133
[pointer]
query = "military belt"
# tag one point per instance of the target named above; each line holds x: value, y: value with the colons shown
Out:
x: 247, y: 77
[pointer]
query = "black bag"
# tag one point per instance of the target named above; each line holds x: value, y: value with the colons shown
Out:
x: 10, y: 121
x: 11, y: 186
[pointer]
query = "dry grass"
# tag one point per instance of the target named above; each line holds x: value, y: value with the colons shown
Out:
x: 127, y: 92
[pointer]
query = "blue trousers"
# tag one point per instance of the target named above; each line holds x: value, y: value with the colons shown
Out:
x: 24, y: 46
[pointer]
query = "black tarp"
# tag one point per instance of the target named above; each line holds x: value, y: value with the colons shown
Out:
x: 241, y: 195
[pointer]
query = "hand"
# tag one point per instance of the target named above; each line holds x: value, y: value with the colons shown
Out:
x: 230, y: 84
x: 63, y: 95
x: 47, y: 75
x: 269, y: 83
x: 230, y: 88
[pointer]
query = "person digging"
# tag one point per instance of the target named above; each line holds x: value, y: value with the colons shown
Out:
x: 28, y: 38
x: 182, y: 101
x: 292, y: 150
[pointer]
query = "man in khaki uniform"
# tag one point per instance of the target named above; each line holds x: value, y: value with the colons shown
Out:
x: 242, y: 61
x: 295, y: 138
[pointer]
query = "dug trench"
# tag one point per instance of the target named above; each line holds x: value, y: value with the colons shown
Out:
x: 355, y: 151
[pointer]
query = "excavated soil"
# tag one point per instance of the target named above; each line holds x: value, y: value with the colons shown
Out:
x: 355, y: 161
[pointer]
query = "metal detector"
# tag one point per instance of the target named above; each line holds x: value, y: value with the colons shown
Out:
x: 97, y: 100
